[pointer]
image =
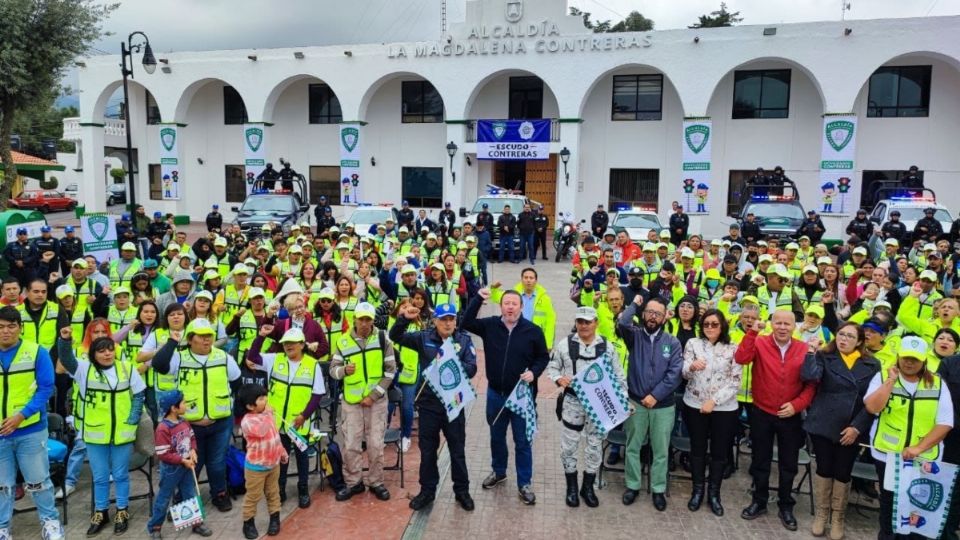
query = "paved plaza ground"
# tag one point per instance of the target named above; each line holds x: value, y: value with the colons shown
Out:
x: 499, y: 513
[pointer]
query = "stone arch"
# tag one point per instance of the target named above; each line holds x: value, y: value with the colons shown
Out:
x: 278, y: 89
x: 376, y: 85
x: 619, y: 67
x: 188, y: 93
x: 865, y: 75
x: 794, y: 64
x: 100, y: 104
x: 482, y: 83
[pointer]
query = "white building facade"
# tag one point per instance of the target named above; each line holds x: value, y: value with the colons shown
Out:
x: 617, y: 102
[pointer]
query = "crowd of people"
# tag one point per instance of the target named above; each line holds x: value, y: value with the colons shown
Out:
x: 736, y: 338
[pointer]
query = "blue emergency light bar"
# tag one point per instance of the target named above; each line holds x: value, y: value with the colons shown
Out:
x: 772, y: 198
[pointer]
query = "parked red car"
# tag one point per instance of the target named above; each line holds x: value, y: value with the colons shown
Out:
x: 44, y: 201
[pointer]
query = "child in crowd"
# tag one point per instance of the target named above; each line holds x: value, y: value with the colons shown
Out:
x: 265, y: 452
x: 177, y: 451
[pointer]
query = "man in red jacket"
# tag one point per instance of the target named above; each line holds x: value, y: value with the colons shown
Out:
x: 779, y: 396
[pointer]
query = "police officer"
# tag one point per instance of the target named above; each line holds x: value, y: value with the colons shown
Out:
x: 486, y: 218
x: 813, y: 227
x: 47, y: 243
x: 21, y: 256
x: 573, y: 355
x: 323, y: 210
x: 913, y: 179
x: 679, y: 224
x: 433, y: 415
x: 70, y: 249
x: 405, y: 216
x: 269, y: 175
x: 364, y: 361
x: 541, y: 223
x: 895, y: 229
x: 215, y: 219
x: 287, y: 174
x: 599, y: 221
x: 750, y: 229
x: 860, y: 225
x: 447, y: 216
x: 928, y: 228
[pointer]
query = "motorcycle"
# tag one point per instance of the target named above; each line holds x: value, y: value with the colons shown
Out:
x: 565, y: 238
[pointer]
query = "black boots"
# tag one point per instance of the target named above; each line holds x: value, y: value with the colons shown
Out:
x: 98, y: 521
x: 273, y: 528
x: 303, y: 497
x: 717, y: 469
x: 250, y: 529
x: 586, y: 490
x: 698, y: 469
x: 573, y: 500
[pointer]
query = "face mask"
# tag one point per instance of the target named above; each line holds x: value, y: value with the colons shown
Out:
x: 636, y: 282
x: 712, y: 283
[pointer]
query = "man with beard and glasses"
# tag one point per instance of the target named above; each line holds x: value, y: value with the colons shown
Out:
x: 653, y: 373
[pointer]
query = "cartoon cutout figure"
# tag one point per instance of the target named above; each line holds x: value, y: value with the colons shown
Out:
x: 345, y: 183
x: 828, y: 189
x: 702, y: 192
x: 914, y: 520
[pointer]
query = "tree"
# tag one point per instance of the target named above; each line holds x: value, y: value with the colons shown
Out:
x: 635, y: 22
x: 39, y: 40
x: 43, y: 121
x: 719, y: 18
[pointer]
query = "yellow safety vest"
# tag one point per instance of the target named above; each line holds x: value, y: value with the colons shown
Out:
x: 288, y: 396
x: 368, y: 362
x: 443, y: 295
x: 116, y: 279
x: 83, y: 295
x: 784, y: 299
x: 44, y: 331
x: 119, y: 320
x: 247, y: 333
x: 163, y: 381
x: 20, y: 383
x: 409, y: 358
x: 106, y: 408
x: 908, y: 418
x: 745, y: 393
x: 205, y: 386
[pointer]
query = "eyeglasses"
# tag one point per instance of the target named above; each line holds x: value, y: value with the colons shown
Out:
x: 713, y: 324
x: 654, y: 314
x: 845, y: 335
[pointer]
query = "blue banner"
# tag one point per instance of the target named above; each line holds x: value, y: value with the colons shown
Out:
x: 513, y: 139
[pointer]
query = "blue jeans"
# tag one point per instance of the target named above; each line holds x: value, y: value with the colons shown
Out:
x: 106, y: 460
x: 506, y: 241
x: 29, y: 454
x: 172, y: 478
x: 528, y: 248
x: 498, y: 439
x: 212, y: 443
x: 75, y: 461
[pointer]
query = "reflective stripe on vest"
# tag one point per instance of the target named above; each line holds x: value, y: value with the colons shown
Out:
x: 20, y: 383
x: 907, y: 418
x: 289, y: 396
x: 205, y: 386
x: 106, y: 408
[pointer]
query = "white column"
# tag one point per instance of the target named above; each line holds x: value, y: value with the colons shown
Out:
x: 570, y: 193
x: 454, y: 193
x: 93, y: 189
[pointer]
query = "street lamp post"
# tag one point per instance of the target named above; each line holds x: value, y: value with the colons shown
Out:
x: 452, y: 151
x: 149, y: 65
x: 565, y: 158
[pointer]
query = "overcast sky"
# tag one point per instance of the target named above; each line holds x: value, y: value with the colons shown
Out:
x: 178, y: 25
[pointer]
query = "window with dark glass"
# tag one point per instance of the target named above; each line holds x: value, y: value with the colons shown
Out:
x: 526, y: 98
x: 325, y: 180
x: 324, y: 105
x: 635, y: 187
x: 235, y: 185
x: 899, y: 91
x: 423, y: 186
x: 153, y: 111
x: 637, y: 97
x: 156, y: 185
x: 421, y: 103
x: 761, y: 94
x: 234, y: 111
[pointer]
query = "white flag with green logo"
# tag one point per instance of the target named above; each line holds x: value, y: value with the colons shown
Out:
x: 602, y: 395
x: 449, y: 381
x: 696, y: 166
x: 171, y: 172
x: 254, y: 152
x: 351, y: 185
x: 522, y: 404
x: 98, y: 232
x: 837, y: 152
x: 922, y: 495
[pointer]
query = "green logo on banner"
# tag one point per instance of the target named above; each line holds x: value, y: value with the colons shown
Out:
x: 925, y: 493
x: 254, y: 138
x: 168, y: 137
x: 696, y: 137
x: 350, y: 136
x: 594, y: 374
x: 99, y: 227
x: 449, y: 375
x: 839, y: 134
x: 499, y: 129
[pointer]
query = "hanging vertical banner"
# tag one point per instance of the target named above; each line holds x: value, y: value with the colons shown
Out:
x: 696, y: 164
x: 350, y: 187
x: 98, y: 232
x: 837, y: 149
x: 254, y: 152
x: 170, y: 172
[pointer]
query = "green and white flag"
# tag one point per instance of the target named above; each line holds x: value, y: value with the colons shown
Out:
x: 350, y: 184
x: 449, y: 381
x: 254, y: 152
x: 921, y: 496
x: 696, y: 166
x: 837, y: 152
x: 98, y: 232
x: 521, y: 403
x: 602, y: 395
x: 170, y: 171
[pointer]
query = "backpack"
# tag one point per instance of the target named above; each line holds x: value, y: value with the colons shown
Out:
x: 235, y: 461
x: 332, y: 461
x: 574, y: 348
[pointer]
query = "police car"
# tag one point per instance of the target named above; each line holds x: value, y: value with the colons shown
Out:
x: 263, y: 206
x: 495, y: 199
x: 636, y: 221
x: 777, y: 208
x: 368, y: 215
x: 911, y: 205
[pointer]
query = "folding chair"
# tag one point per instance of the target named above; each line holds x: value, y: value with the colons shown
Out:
x: 805, y: 460
x: 864, y: 471
x: 394, y: 436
